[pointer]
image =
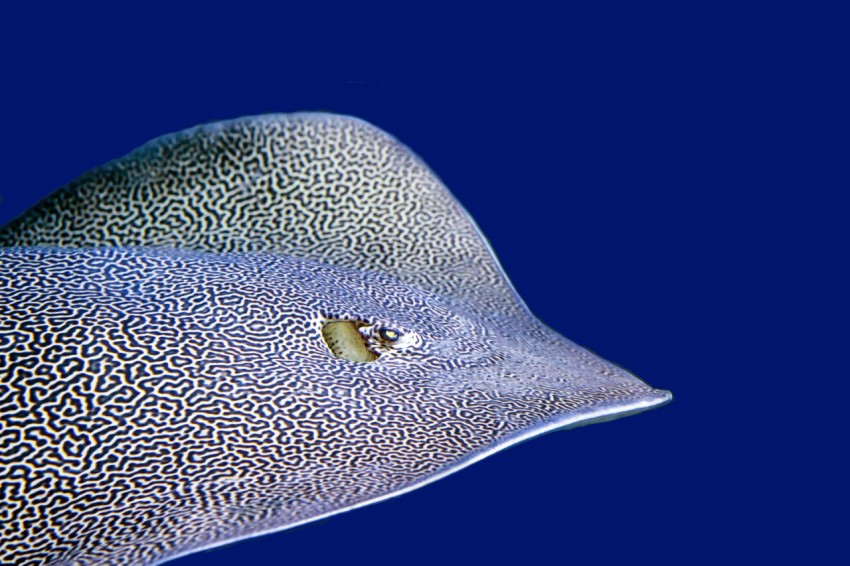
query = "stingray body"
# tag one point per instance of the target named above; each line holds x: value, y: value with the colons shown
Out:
x: 254, y: 324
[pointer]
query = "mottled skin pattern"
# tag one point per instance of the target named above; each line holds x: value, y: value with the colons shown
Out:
x: 155, y: 401
x: 330, y: 188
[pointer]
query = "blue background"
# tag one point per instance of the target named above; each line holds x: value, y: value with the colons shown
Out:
x: 658, y: 182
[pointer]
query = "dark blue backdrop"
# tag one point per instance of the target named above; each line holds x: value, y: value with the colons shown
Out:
x: 646, y: 177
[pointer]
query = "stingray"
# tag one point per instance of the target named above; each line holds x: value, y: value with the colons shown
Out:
x: 253, y: 324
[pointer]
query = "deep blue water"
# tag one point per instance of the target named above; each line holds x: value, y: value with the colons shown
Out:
x: 642, y: 179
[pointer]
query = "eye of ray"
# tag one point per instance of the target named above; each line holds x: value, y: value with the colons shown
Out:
x: 390, y: 334
x: 344, y: 341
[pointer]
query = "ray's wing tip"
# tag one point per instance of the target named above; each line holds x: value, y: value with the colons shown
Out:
x: 659, y: 398
x: 651, y: 399
x: 624, y: 407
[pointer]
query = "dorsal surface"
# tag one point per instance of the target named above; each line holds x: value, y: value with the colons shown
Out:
x: 319, y: 186
x: 157, y: 402
x: 249, y: 325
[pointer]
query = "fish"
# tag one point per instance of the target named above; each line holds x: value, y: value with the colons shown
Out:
x: 254, y: 324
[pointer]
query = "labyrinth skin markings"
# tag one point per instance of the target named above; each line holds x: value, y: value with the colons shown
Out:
x: 253, y: 324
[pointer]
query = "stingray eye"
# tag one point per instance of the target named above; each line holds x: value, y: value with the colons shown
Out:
x: 389, y: 334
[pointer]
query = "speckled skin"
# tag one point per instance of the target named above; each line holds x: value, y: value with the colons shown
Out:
x: 164, y: 385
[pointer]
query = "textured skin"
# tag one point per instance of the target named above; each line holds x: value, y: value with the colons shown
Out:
x: 157, y: 401
x: 330, y: 188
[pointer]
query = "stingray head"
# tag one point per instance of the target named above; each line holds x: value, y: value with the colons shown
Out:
x: 509, y: 373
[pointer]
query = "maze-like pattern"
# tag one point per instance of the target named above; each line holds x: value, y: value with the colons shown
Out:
x: 164, y: 384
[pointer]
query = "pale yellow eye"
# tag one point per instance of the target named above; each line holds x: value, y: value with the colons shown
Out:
x: 389, y: 334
